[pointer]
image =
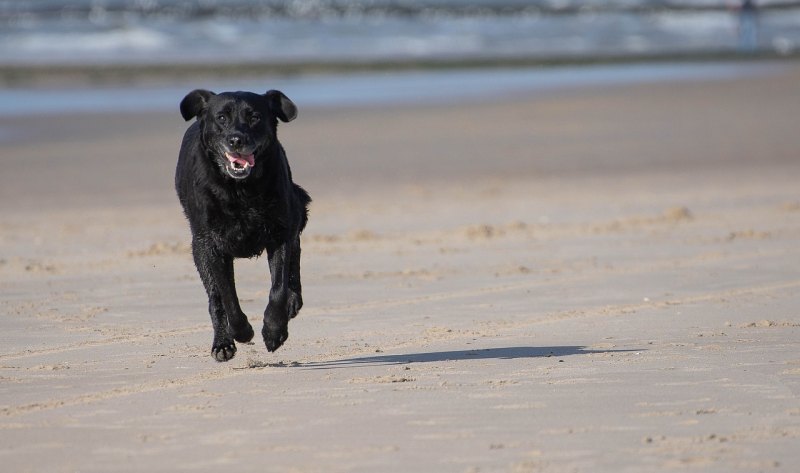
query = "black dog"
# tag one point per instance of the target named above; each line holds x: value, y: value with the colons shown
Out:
x: 236, y: 189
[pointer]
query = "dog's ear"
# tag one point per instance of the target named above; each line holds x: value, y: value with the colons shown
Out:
x: 281, y: 106
x: 194, y: 103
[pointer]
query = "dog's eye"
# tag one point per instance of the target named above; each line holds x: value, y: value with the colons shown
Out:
x: 221, y: 118
x: 254, y: 119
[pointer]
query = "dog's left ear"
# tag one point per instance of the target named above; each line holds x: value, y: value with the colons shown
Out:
x: 281, y: 106
x: 195, y: 102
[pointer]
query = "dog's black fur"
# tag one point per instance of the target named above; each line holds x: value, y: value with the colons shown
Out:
x: 236, y: 189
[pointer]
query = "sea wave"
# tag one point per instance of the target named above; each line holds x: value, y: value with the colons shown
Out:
x: 237, y: 31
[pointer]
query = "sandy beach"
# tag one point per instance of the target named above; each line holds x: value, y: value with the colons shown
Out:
x: 589, y: 280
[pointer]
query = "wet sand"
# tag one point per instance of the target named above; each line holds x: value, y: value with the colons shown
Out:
x: 590, y: 280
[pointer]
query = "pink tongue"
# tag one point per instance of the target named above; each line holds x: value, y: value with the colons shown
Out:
x: 242, y: 159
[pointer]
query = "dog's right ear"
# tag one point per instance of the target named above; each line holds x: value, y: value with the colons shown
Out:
x: 194, y: 103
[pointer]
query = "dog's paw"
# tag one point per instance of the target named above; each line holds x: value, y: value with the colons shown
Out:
x: 223, y: 351
x: 242, y: 333
x: 274, y: 337
x: 294, y: 303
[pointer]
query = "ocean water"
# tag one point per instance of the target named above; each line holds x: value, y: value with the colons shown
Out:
x: 74, y: 32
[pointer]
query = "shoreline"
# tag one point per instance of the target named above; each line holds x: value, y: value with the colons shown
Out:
x: 43, y: 76
x: 374, y: 88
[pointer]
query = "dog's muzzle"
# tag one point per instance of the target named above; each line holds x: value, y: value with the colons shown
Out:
x: 239, y: 165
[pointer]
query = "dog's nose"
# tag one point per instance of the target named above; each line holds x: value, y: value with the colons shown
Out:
x: 235, y: 141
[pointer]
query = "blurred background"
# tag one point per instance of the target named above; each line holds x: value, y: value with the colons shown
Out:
x: 74, y: 58
x: 68, y: 57
x: 299, y: 35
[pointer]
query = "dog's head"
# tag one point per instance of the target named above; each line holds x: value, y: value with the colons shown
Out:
x: 237, y: 126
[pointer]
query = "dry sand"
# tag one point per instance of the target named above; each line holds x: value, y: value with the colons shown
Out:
x: 592, y: 281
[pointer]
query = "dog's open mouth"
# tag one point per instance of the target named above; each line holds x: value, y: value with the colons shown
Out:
x: 239, y: 165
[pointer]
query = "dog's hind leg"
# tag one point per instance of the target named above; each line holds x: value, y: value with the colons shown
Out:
x: 294, y: 300
x: 295, y: 297
x: 276, y: 315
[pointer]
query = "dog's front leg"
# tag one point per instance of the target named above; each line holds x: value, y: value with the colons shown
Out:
x: 227, y: 318
x: 276, y: 315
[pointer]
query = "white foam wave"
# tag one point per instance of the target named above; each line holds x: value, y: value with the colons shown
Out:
x: 131, y: 39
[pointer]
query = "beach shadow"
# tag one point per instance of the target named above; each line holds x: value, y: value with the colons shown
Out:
x: 505, y: 353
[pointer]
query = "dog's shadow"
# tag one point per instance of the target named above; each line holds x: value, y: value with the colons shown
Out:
x: 505, y: 353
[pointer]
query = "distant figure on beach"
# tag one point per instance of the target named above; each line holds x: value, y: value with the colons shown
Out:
x: 748, y: 27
